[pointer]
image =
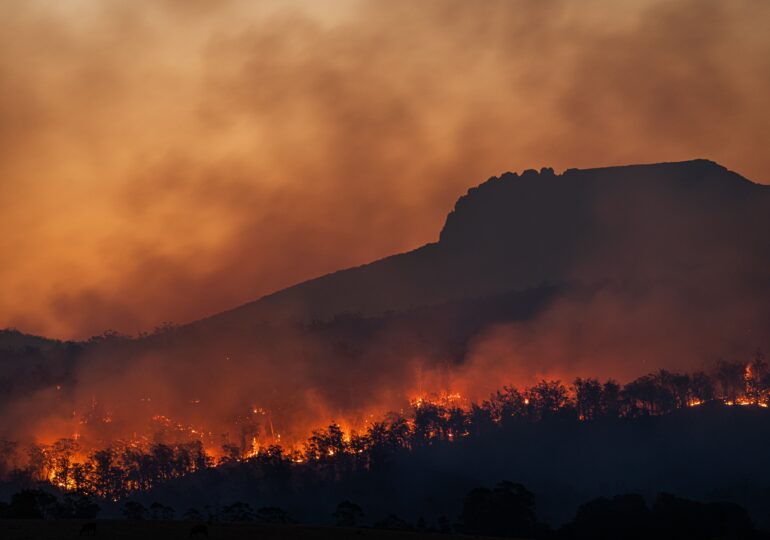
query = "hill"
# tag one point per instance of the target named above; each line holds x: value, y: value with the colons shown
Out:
x: 612, y: 272
x: 516, y: 232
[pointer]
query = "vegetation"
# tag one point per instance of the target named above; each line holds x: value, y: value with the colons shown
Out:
x: 118, y: 471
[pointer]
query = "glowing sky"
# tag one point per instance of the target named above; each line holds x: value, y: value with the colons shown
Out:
x: 163, y: 160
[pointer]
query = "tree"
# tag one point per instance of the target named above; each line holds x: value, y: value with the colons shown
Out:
x: 701, y: 387
x: 624, y: 516
x: 730, y: 376
x: 33, y: 504
x: 103, y: 461
x: 60, y: 457
x: 162, y: 462
x: 238, y: 511
x: 429, y: 423
x: 231, y: 454
x: 588, y: 398
x: 37, y: 462
x: 506, y: 510
x: 192, y: 514
x: 399, y: 432
x: 665, y: 392
x: 134, y: 510
x: 7, y: 457
x: 677, y: 388
x: 755, y: 377
x: 348, y: 514
x: 324, y: 444
x: 79, y: 506
x: 640, y: 396
x: 610, y: 401
x: 508, y: 404
x: 545, y: 399
x: 682, y: 519
x: 457, y: 423
x: 160, y: 511
x: 480, y: 420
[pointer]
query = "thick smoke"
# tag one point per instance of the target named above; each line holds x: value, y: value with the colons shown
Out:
x: 166, y: 160
x: 157, y: 171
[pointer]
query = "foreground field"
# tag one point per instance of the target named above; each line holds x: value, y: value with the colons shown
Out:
x: 168, y: 530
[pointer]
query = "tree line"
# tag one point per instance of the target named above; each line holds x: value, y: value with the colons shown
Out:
x: 114, y: 473
x: 506, y: 510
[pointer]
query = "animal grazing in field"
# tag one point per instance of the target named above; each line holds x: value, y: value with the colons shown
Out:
x: 199, y: 530
x: 88, y: 528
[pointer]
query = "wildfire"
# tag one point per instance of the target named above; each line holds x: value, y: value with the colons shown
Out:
x: 444, y: 399
x: 444, y: 417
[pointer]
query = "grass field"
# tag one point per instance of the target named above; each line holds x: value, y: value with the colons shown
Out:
x: 168, y: 530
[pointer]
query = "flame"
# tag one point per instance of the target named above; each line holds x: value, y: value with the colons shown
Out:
x: 257, y: 435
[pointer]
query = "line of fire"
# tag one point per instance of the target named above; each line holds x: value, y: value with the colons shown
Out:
x: 87, y: 463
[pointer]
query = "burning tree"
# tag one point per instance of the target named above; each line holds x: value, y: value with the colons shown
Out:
x: 142, y: 463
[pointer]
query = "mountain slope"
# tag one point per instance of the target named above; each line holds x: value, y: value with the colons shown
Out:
x: 638, y: 223
x: 612, y: 272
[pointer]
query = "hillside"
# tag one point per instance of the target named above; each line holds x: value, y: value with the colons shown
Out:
x: 610, y: 273
x: 516, y: 232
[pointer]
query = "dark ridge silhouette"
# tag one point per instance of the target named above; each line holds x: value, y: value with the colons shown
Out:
x: 12, y: 339
x: 519, y: 231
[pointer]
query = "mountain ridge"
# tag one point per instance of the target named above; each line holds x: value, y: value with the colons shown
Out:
x: 561, y: 206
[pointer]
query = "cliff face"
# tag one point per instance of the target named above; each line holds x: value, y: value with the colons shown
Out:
x: 637, y: 223
x: 542, y: 200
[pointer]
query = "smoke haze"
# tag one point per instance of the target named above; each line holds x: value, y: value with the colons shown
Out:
x: 167, y: 160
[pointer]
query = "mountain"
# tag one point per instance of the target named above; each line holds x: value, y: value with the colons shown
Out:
x: 635, y: 223
x: 613, y: 272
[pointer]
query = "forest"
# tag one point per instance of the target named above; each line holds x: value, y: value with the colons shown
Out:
x: 157, y: 480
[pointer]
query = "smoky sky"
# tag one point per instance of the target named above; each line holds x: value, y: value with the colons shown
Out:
x: 161, y: 161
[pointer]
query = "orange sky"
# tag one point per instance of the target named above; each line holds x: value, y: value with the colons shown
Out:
x: 163, y: 160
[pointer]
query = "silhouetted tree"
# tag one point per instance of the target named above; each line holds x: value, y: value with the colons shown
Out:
x: 457, y: 423
x: 674, y: 390
x: 640, y: 396
x: 624, y: 516
x: 756, y: 377
x: 506, y: 510
x: 430, y: 423
x: 134, y: 510
x: 324, y: 444
x: 545, y: 399
x: 480, y: 420
x: 33, y: 504
x: 399, y: 432
x: 161, y: 511
x: 8, y: 451
x: 36, y: 462
x: 193, y: 514
x: 79, y: 506
x: 588, y: 398
x: 60, y: 459
x: 238, y: 511
x: 348, y: 514
x: 730, y: 376
x: 701, y: 387
x: 611, y: 399
x: 682, y: 519
x: 508, y: 404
